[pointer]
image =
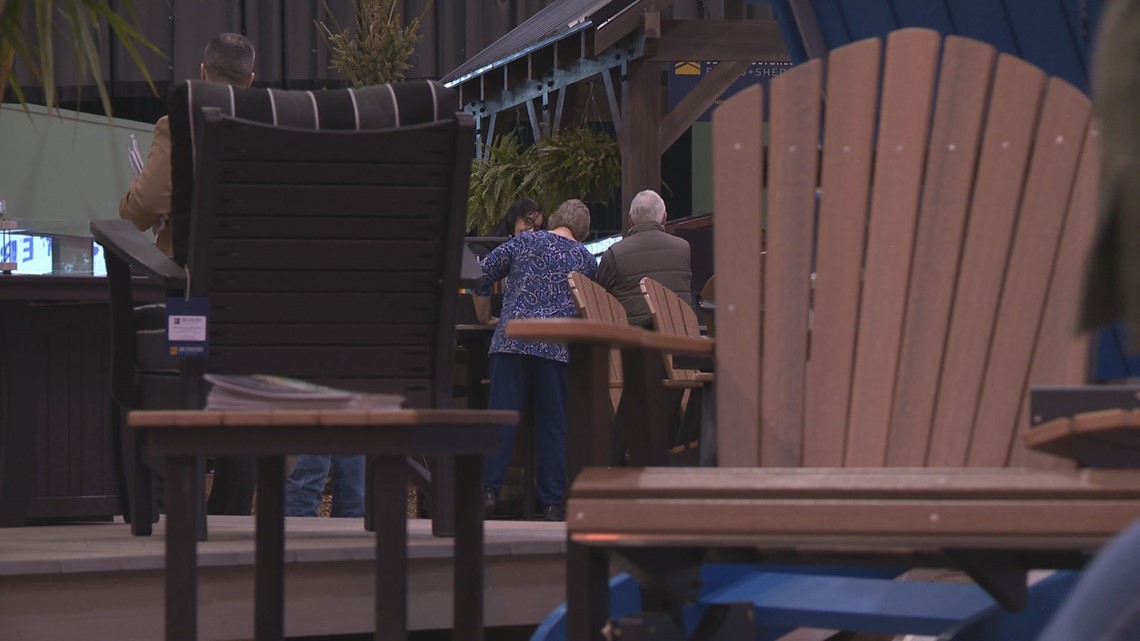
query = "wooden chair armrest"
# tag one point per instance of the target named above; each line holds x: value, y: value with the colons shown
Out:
x: 848, y: 506
x: 678, y: 344
x: 576, y: 330
x: 1105, y: 438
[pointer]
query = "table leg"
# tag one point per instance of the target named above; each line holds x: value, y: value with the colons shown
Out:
x: 468, y: 549
x: 183, y: 503
x: 588, y: 427
x: 708, y: 426
x: 442, y: 498
x: 587, y: 591
x: 389, y: 497
x: 269, y: 590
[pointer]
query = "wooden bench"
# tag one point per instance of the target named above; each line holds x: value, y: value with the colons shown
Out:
x: 389, y: 436
x: 955, y: 192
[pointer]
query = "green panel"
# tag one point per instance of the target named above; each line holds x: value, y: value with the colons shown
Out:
x: 68, y: 166
x: 702, y: 167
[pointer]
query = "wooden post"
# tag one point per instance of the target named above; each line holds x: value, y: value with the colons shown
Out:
x: 639, y: 132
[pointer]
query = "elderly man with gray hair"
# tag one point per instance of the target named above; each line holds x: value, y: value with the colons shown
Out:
x: 646, y: 250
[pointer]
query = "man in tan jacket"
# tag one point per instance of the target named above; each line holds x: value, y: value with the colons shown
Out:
x: 228, y: 59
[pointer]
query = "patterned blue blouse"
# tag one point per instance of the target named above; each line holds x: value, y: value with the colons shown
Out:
x: 535, y: 265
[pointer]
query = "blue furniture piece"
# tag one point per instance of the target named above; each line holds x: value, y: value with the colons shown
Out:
x: 783, y: 598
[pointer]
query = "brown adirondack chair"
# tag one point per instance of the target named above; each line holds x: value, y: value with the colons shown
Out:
x: 594, y: 303
x: 673, y: 316
x: 955, y: 197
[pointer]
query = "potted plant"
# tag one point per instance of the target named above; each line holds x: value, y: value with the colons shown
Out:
x: 378, y: 50
x: 580, y: 162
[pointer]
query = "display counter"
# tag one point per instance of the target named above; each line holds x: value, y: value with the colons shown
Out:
x: 55, y: 351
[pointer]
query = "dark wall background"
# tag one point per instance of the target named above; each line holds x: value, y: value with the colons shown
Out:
x: 290, y: 52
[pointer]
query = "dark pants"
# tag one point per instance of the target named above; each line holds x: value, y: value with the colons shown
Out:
x: 234, y: 482
x: 514, y: 378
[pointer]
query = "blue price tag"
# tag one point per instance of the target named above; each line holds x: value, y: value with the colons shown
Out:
x: 186, y: 325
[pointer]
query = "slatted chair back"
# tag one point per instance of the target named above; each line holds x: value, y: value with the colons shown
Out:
x: 671, y: 316
x: 328, y: 244
x: 954, y: 190
x: 593, y: 302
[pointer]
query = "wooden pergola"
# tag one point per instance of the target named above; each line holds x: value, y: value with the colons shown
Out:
x: 627, y: 43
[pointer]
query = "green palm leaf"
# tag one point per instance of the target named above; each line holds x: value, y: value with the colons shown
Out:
x: 26, y: 40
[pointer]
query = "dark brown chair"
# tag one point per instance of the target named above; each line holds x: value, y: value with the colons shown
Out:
x: 333, y: 258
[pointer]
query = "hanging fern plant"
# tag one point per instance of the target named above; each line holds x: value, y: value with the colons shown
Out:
x: 496, y: 182
x: 575, y: 163
x: 579, y: 163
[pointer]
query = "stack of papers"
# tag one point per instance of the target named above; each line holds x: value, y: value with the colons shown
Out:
x: 260, y: 392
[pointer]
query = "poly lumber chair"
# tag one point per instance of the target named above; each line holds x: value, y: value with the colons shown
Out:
x: 929, y: 207
x: 330, y: 255
x: 327, y: 268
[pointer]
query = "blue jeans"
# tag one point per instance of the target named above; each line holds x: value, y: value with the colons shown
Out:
x: 514, y: 378
x: 305, y: 485
x: 1105, y: 604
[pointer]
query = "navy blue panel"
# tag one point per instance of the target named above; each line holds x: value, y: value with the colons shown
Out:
x: 869, y: 18
x: 1078, y: 28
x: 831, y: 23
x: 789, y: 30
x: 986, y: 21
x: 1045, y: 40
x: 1111, y: 356
x: 929, y: 13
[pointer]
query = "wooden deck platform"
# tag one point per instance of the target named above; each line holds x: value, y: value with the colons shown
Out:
x: 96, y: 581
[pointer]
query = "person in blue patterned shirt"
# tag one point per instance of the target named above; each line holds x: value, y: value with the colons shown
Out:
x: 535, y: 265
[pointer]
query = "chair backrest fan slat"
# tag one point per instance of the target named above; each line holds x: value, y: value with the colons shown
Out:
x: 905, y: 108
x: 792, y: 181
x: 1052, y: 170
x: 924, y: 252
x: 952, y: 153
x: 845, y: 178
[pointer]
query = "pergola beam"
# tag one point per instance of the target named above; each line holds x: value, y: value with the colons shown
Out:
x: 556, y: 79
x: 808, y: 25
x: 699, y: 98
x: 626, y: 22
x: 639, y: 133
x: 739, y: 40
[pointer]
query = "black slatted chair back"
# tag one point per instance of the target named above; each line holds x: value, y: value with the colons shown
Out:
x: 324, y: 229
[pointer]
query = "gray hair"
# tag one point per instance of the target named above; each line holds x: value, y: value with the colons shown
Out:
x: 647, y: 206
x: 229, y: 58
x: 573, y: 215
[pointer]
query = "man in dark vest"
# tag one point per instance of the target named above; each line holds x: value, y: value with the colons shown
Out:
x: 646, y: 250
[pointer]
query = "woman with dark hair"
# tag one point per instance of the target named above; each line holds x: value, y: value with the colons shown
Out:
x: 524, y: 215
x: 535, y: 264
